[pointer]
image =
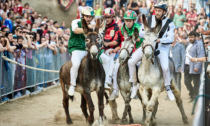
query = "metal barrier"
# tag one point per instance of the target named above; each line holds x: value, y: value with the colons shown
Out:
x: 0, y: 72
x: 7, y: 79
x: 15, y: 78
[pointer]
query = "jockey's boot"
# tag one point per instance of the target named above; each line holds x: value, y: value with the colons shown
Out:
x: 170, y: 93
x: 71, y: 90
x: 108, y: 82
x: 114, y: 95
x: 106, y: 86
x: 134, y: 90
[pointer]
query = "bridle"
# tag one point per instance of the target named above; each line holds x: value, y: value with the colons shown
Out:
x: 153, y: 51
x: 129, y: 54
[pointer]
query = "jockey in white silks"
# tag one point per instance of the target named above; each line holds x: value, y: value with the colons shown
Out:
x: 166, y: 37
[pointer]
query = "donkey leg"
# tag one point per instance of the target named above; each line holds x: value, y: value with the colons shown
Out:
x: 91, y: 107
x: 154, y: 113
x: 66, y: 108
x: 143, y: 108
x: 151, y: 106
x: 101, y: 104
x: 126, y: 101
x: 144, y: 95
x: 113, y: 106
x: 84, y: 106
x: 130, y: 115
x: 179, y: 102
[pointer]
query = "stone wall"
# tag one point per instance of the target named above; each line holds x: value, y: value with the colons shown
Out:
x: 52, y: 10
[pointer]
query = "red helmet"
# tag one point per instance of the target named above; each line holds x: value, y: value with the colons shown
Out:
x: 109, y: 12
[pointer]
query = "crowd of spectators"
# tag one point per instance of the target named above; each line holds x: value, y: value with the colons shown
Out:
x: 22, y: 27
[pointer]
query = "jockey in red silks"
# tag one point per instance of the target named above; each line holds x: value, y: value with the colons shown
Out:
x: 111, y: 41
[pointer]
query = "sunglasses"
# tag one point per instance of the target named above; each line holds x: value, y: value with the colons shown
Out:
x: 206, y: 43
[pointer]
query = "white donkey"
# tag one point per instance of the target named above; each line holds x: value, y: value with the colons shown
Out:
x: 123, y: 74
x: 151, y: 78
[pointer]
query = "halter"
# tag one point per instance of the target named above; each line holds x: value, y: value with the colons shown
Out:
x: 129, y: 54
x: 153, y: 51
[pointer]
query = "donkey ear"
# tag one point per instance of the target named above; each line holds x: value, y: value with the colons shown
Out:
x: 146, y: 26
x: 125, y: 33
x: 85, y: 27
x: 97, y: 25
x: 135, y: 34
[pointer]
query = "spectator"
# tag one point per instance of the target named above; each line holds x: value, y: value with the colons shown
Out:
x: 4, y: 30
x: 133, y: 6
x: 179, y: 18
x: 7, y: 20
x: 202, y: 59
x: 144, y: 10
x: 18, y: 7
x: 98, y: 11
x: 152, y: 8
x: 123, y: 3
x: 26, y: 9
x: 192, y: 70
x: 81, y: 6
x: 192, y: 17
x: 177, y: 52
x: 63, y: 25
x: 202, y: 14
x: 109, y: 4
x: 4, y: 9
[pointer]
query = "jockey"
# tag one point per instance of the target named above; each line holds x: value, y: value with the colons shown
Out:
x: 110, y: 42
x: 165, y: 38
x: 76, y: 45
x: 129, y: 18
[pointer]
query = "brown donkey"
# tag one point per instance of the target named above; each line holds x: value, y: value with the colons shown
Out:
x: 91, y: 77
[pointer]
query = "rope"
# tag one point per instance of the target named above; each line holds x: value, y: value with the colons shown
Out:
x: 34, y: 68
x: 196, y: 99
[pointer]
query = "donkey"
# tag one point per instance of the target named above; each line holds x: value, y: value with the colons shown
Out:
x: 151, y: 78
x: 123, y: 75
x: 91, y: 77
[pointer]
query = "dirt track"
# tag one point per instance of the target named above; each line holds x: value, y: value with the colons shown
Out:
x: 45, y: 109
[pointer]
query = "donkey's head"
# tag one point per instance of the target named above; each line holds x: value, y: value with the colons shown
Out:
x: 92, y: 39
x: 127, y: 45
x: 150, y: 37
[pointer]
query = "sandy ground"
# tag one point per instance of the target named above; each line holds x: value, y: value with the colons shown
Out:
x: 45, y: 109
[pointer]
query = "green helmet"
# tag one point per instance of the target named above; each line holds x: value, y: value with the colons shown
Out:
x: 130, y: 14
x: 87, y: 11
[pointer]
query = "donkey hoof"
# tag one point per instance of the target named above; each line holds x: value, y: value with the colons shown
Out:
x: 69, y: 122
x: 185, y: 120
x: 131, y: 121
x: 125, y: 120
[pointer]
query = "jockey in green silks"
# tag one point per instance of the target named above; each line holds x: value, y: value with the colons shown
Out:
x: 130, y: 25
